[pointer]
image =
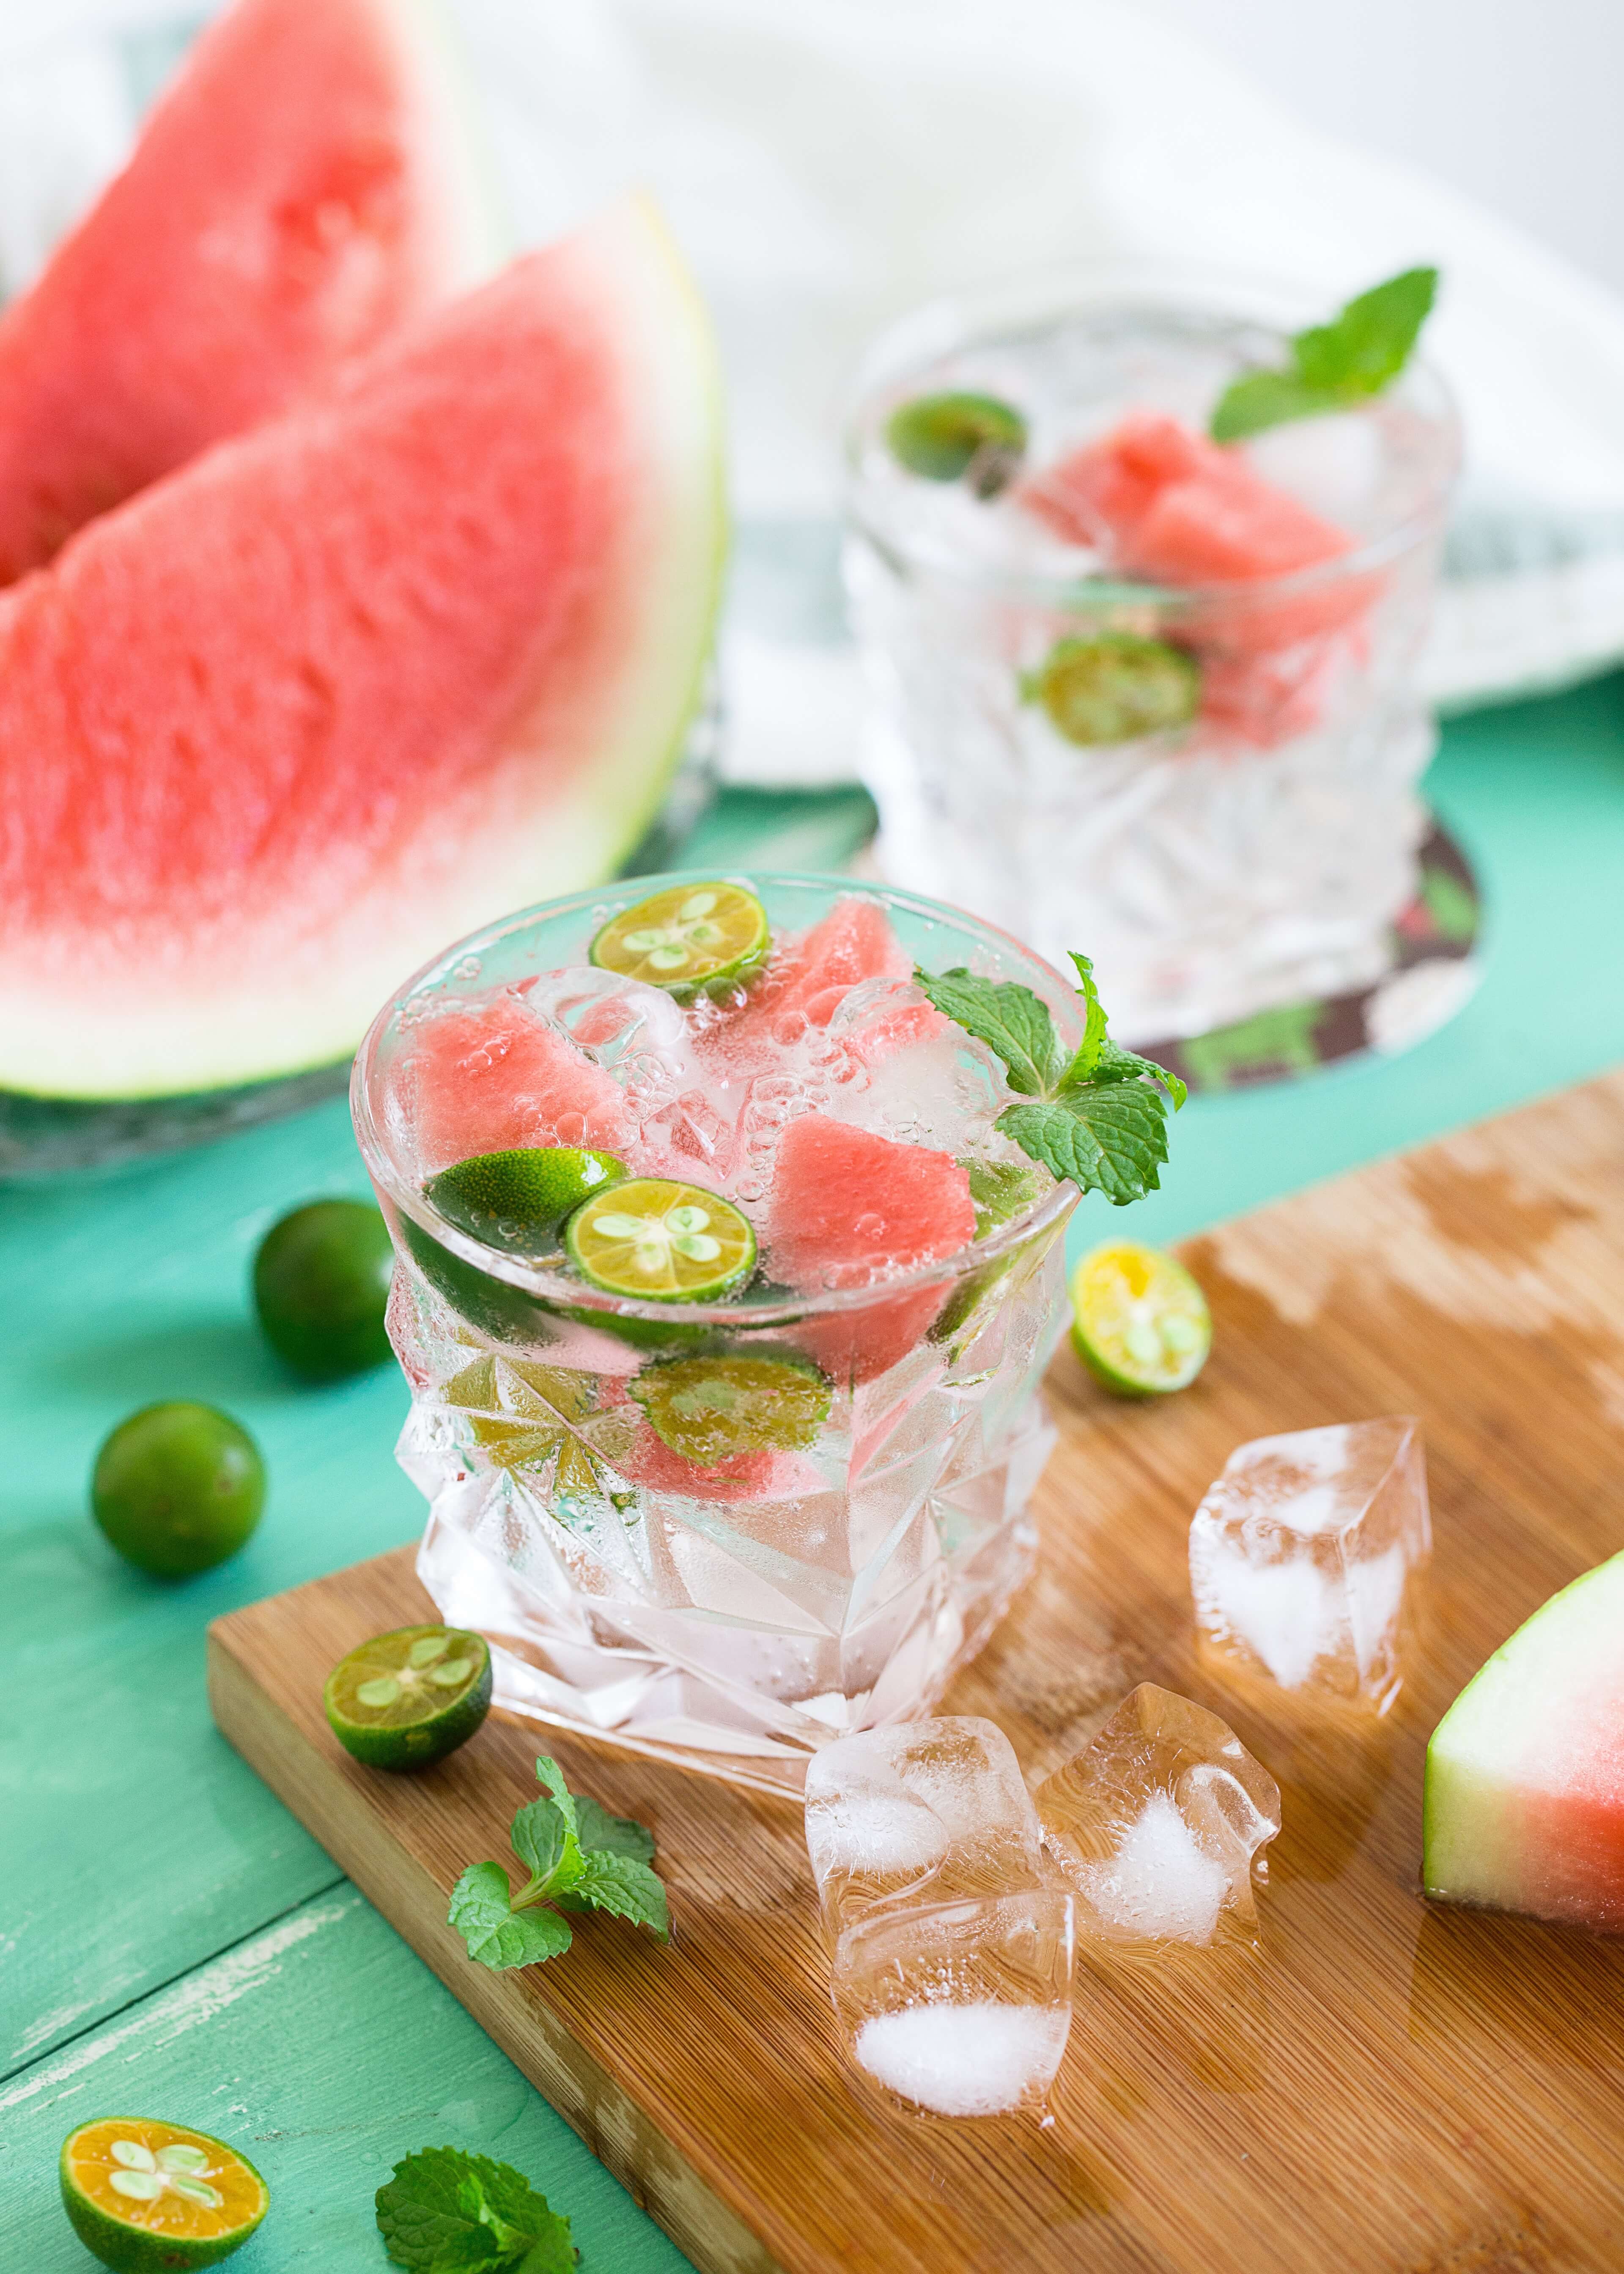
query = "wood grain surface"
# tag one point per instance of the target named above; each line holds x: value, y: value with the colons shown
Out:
x: 1389, y: 2086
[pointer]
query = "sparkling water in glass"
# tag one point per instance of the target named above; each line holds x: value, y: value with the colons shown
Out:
x: 1251, y: 855
x: 736, y: 1612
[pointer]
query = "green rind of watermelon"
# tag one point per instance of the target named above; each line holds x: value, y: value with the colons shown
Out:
x: 308, y: 718
x: 312, y: 180
x: 1523, y: 1807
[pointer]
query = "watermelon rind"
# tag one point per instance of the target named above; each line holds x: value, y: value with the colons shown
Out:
x: 188, y: 1033
x: 1471, y: 1849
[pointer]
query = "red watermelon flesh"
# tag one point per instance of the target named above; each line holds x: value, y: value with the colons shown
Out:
x: 804, y: 985
x: 490, y: 1077
x: 1174, y: 509
x: 304, y: 188
x: 848, y: 1209
x: 1524, y: 1798
x: 285, y: 724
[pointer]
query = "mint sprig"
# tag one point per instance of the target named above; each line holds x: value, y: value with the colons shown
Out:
x: 579, y: 1858
x: 1098, y: 1116
x: 446, y: 2209
x: 1361, y: 350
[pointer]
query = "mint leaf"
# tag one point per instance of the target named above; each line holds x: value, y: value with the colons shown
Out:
x: 1094, y: 1024
x: 1261, y: 399
x: 445, y: 2209
x: 497, y: 1935
x: 623, y: 1886
x: 1360, y: 351
x: 1109, y: 1140
x: 1009, y: 1018
x: 621, y: 1835
x: 1115, y: 1063
x: 543, y: 1840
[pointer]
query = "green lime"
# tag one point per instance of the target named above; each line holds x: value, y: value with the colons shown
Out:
x: 691, y: 936
x: 321, y: 1287
x: 406, y: 1699
x: 707, y: 1409
x: 945, y: 437
x: 1115, y: 688
x: 1140, y: 1322
x: 518, y: 1201
x: 178, y: 1489
x: 663, y: 1242
x: 144, y: 2194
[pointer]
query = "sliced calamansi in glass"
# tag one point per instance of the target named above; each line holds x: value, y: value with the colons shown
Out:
x: 1140, y: 1322
x: 142, y: 2194
x: 407, y: 1699
x: 711, y: 935
x: 661, y: 1242
x: 709, y: 1409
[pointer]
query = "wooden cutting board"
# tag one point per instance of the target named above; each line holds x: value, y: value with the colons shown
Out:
x: 1391, y: 2087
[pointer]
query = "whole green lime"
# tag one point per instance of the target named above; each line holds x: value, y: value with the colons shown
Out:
x: 178, y: 1487
x: 321, y: 1288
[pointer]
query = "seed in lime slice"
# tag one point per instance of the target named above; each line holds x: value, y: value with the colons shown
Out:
x: 1140, y: 1322
x: 144, y: 2194
x: 321, y: 1288
x: 943, y: 437
x: 407, y: 1699
x: 708, y: 934
x: 1115, y: 688
x: 178, y: 1487
x: 518, y: 1201
x: 663, y: 1242
x: 707, y: 1409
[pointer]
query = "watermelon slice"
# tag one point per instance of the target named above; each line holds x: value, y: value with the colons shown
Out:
x: 492, y: 1078
x: 1524, y: 1806
x: 344, y: 689
x: 848, y: 1207
x: 304, y: 187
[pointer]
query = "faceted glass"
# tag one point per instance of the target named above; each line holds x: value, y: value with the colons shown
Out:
x: 738, y: 1615
x: 1254, y: 856
x: 1160, y: 1824
x: 951, y: 1941
x: 1304, y: 1555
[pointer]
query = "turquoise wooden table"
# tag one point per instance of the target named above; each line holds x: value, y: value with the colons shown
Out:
x: 171, y: 1941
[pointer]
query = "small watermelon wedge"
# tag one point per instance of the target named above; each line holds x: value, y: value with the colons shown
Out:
x: 848, y: 1209
x: 344, y: 689
x: 493, y: 1078
x: 306, y: 185
x: 1524, y: 1805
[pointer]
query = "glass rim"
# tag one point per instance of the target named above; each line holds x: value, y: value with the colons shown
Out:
x: 557, y: 1289
x: 963, y: 318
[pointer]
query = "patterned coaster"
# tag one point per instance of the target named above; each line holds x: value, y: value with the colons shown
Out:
x: 1432, y: 971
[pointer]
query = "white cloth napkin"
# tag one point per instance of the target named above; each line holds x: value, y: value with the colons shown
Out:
x: 827, y: 166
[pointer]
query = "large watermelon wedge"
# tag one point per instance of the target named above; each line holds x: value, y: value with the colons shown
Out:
x: 339, y: 690
x: 1524, y: 1807
x: 304, y: 187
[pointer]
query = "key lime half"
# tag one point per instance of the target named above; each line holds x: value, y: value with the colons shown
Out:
x: 408, y: 1698
x: 663, y: 1242
x: 1115, y: 688
x: 688, y: 936
x: 518, y: 1201
x: 1140, y: 1322
x: 144, y: 2194
x: 944, y: 437
x: 707, y: 1409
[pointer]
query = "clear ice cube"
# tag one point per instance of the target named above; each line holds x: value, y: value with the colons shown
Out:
x: 1160, y: 1824
x: 1302, y: 1557
x: 950, y: 1939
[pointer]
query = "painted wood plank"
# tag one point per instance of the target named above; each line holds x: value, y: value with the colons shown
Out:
x: 1394, y: 2085
x: 327, y: 2051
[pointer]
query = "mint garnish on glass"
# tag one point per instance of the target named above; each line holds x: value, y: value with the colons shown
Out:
x: 1099, y: 1116
x: 445, y: 2209
x: 579, y: 1857
x: 1334, y: 366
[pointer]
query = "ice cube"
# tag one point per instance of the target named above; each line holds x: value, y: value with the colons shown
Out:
x: 1334, y: 464
x: 1302, y: 1557
x: 635, y: 1032
x: 1160, y: 1824
x: 950, y: 1936
x: 910, y: 1074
